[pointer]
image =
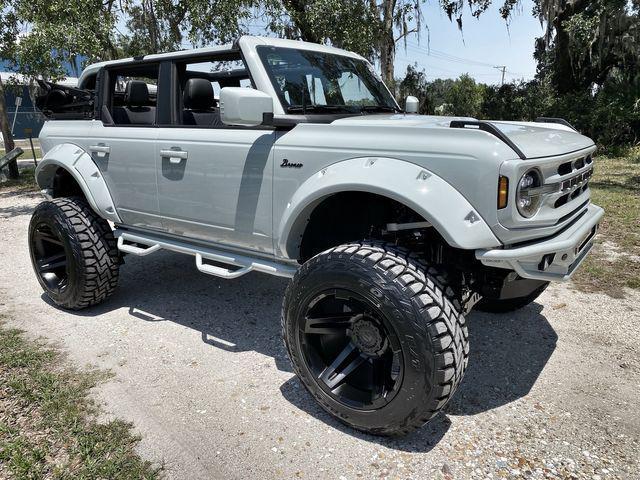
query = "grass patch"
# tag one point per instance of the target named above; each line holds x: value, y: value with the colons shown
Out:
x: 28, y: 153
x: 614, y: 263
x: 26, y: 181
x: 48, y: 426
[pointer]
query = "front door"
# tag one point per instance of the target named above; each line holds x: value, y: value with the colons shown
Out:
x: 215, y: 184
x: 214, y: 181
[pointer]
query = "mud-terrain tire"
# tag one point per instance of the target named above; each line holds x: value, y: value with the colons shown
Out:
x: 509, y: 305
x: 73, y: 253
x: 426, y: 336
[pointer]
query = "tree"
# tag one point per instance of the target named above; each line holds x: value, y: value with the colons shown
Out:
x: 8, y: 34
x: 465, y: 97
x: 372, y: 28
x: 587, y: 41
x: 58, y: 33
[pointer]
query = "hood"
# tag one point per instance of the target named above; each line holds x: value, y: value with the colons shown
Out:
x: 535, y: 140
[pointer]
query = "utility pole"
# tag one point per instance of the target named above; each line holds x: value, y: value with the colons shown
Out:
x: 503, y: 68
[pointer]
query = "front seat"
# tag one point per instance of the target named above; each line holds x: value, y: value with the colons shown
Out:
x: 199, y: 104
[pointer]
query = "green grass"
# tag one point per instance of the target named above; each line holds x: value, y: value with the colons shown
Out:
x: 614, y: 263
x: 25, y: 182
x: 48, y: 426
x: 28, y: 154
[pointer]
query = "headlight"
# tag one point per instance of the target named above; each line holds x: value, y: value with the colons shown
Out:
x: 528, y: 194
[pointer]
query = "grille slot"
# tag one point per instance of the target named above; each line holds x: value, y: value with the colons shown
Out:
x: 565, y: 168
x: 561, y: 201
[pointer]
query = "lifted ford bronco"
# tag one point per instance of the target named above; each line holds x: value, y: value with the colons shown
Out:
x: 293, y: 159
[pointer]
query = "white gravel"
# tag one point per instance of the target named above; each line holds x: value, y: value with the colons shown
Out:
x: 551, y: 391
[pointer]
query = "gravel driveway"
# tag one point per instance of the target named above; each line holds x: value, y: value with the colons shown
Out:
x: 552, y: 391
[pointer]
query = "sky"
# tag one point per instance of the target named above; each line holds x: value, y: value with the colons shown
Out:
x: 483, y: 44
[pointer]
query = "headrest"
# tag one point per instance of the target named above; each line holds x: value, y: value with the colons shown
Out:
x: 198, y: 94
x: 136, y: 93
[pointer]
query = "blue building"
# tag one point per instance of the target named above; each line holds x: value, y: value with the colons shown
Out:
x: 26, y: 116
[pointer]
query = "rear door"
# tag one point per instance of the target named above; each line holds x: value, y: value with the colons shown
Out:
x: 123, y: 142
x: 214, y: 181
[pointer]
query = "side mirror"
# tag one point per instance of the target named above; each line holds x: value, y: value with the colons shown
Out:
x: 245, y: 106
x: 412, y: 104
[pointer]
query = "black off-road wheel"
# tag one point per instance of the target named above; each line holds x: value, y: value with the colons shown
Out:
x: 490, y: 305
x: 376, y: 336
x: 73, y: 253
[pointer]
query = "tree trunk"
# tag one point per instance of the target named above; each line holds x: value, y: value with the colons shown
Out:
x: 387, y: 43
x: 7, y: 137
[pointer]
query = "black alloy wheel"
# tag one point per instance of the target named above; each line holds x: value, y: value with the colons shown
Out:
x: 73, y: 252
x: 352, y: 349
x: 50, y: 258
x: 376, y: 336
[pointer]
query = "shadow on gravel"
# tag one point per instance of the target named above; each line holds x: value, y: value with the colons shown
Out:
x: 508, y: 351
x: 236, y: 316
x: 422, y: 440
x: 15, y: 211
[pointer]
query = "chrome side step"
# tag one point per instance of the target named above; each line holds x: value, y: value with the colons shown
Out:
x: 143, y: 245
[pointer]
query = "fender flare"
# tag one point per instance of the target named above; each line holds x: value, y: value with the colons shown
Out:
x: 83, y: 169
x: 439, y: 203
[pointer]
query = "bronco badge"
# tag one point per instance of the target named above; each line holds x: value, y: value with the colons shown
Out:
x: 287, y: 164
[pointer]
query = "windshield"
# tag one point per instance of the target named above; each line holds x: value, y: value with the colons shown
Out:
x: 316, y: 82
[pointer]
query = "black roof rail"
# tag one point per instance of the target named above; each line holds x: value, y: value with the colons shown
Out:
x: 561, y: 121
x: 489, y: 128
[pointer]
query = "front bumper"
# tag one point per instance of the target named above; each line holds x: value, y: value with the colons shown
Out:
x: 554, y: 259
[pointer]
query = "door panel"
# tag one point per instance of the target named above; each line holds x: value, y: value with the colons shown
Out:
x: 126, y: 157
x: 216, y: 185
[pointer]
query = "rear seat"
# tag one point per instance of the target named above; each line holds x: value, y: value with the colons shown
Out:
x: 136, y: 110
x: 199, y: 104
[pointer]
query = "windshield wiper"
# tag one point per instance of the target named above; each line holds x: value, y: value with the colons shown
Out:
x: 379, y: 108
x: 318, y: 108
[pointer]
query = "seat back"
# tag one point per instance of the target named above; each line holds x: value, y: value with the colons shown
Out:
x: 199, y: 104
x: 136, y: 110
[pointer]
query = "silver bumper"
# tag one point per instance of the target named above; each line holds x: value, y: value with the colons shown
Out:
x: 555, y: 259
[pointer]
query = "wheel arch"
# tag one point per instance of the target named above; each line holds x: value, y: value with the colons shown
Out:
x: 406, y: 183
x: 74, y: 164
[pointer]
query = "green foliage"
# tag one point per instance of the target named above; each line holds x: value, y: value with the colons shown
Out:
x: 465, y: 97
x: 610, y: 115
x: 588, y: 42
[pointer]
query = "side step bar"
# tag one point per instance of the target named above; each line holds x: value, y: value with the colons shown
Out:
x: 143, y: 245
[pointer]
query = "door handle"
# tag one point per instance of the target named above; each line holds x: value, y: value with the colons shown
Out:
x: 174, y: 156
x: 100, y: 148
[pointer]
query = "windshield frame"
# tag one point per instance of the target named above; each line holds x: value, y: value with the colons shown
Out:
x: 388, y: 105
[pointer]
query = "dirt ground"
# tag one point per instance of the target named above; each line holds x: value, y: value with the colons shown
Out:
x: 552, y: 391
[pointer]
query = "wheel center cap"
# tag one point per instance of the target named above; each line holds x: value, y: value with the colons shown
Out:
x: 367, y: 337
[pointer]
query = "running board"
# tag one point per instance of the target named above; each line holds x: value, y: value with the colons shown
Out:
x: 143, y: 245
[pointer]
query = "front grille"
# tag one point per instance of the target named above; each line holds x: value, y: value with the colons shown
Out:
x: 568, y: 181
